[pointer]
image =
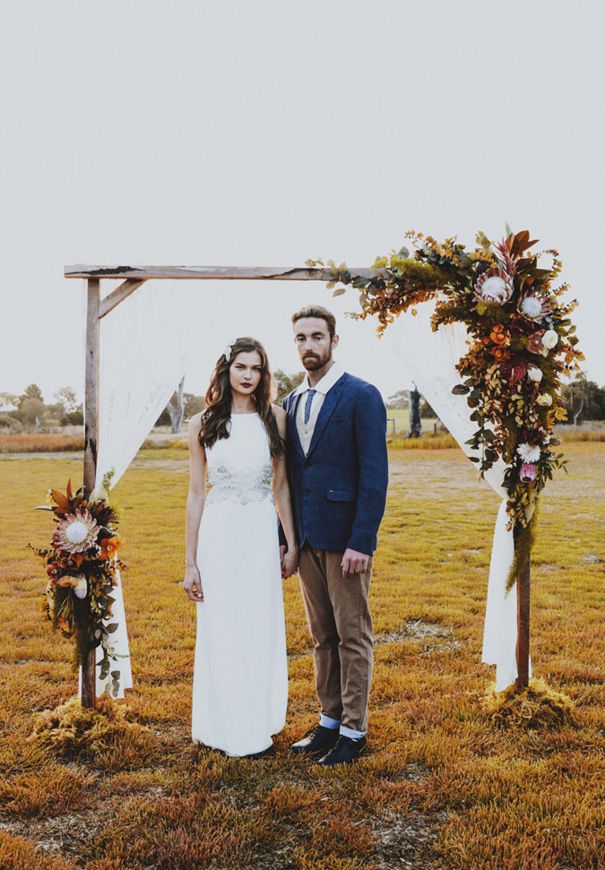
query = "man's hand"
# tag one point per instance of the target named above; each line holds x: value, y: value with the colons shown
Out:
x: 354, y: 562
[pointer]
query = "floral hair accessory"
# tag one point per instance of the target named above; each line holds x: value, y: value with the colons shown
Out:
x: 229, y: 349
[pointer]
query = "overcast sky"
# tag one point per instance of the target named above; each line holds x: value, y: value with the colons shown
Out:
x: 240, y: 133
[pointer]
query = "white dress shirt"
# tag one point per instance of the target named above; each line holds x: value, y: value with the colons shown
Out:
x: 322, y: 387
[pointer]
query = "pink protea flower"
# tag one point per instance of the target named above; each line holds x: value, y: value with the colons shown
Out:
x: 494, y: 286
x: 527, y: 472
x: 76, y: 533
x: 534, y: 306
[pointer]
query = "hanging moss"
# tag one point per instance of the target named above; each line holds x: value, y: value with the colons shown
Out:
x: 525, y: 537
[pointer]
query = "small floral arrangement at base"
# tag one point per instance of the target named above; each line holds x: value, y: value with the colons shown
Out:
x: 82, y: 564
x: 521, y: 344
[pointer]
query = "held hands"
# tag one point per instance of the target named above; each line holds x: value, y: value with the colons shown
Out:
x: 192, y: 584
x: 354, y: 562
x: 288, y: 560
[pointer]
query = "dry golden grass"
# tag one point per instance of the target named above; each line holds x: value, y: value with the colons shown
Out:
x: 43, y: 442
x: 49, y: 442
x: 442, y: 785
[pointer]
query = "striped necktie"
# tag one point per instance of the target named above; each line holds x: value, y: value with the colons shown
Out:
x: 308, y: 403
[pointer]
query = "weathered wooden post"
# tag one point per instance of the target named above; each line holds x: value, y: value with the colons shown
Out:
x: 91, y: 436
x: 523, y: 602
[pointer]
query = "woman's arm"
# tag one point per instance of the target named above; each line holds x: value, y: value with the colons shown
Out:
x: 195, y: 507
x: 283, y: 502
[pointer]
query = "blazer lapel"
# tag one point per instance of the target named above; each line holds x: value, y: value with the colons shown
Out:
x: 330, y: 403
x: 293, y: 428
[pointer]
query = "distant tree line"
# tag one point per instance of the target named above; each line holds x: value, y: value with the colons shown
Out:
x: 584, y: 399
x: 29, y: 410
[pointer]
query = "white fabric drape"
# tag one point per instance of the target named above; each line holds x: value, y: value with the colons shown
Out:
x: 142, y: 359
x: 430, y: 358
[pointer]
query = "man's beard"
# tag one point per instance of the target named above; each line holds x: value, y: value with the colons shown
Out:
x: 313, y: 363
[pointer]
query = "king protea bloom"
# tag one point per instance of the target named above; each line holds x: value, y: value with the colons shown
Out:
x: 494, y: 286
x: 76, y: 533
x: 534, y: 306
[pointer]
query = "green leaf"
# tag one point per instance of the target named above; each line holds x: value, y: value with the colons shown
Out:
x: 460, y: 390
x: 112, y: 627
x: 339, y: 291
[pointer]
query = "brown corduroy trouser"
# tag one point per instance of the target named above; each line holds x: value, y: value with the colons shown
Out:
x: 341, y: 628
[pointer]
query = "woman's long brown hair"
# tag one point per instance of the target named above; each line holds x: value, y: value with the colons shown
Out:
x: 217, y: 414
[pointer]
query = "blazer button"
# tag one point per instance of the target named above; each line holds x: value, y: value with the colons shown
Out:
x: 307, y: 491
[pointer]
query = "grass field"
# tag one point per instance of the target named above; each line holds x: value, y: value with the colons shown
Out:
x: 441, y: 785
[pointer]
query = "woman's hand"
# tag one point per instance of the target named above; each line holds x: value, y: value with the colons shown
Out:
x: 289, y: 562
x: 192, y: 584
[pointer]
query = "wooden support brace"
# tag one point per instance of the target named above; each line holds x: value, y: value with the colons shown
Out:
x: 109, y: 302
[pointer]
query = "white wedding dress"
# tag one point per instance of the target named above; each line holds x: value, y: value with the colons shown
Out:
x: 240, y: 678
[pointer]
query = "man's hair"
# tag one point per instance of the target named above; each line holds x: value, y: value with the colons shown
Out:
x: 317, y: 311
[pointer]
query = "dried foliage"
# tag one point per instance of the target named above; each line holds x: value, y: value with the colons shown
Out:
x: 521, y: 342
x: 82, y: 568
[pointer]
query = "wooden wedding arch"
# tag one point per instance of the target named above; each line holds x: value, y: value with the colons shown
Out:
x: 98, y: 307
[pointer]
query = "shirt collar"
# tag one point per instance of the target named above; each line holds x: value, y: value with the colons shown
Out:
x: 327, y: 382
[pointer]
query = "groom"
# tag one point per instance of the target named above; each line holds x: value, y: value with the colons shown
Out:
x: 337, y: 460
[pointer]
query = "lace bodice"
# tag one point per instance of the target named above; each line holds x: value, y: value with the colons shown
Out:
x: 240, y: 468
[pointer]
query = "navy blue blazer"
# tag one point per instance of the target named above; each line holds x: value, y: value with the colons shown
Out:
x: 339, y: 488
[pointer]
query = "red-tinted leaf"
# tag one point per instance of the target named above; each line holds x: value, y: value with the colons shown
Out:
x: 60, y: 499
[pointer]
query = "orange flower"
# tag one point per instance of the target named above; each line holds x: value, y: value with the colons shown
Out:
x: 499, y: 335
x: 500, y: 353
x: 110, y: 547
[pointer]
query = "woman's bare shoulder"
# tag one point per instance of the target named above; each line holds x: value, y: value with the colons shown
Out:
x: 279, y: 412
x: 196, y: 421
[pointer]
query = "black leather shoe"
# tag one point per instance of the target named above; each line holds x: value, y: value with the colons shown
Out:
x: 320, y: 739
x: 345, y: 751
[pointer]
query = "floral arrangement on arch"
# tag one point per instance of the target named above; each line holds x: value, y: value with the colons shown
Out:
x: 521, y: 344
x: 82, y: 564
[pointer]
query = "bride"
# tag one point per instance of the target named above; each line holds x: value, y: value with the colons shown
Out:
x: 240, y: 677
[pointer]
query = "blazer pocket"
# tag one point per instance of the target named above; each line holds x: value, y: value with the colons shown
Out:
x: 339, y: 495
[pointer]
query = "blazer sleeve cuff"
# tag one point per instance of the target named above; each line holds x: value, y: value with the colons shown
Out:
x: 281, y: 536
x: 362, y: 543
